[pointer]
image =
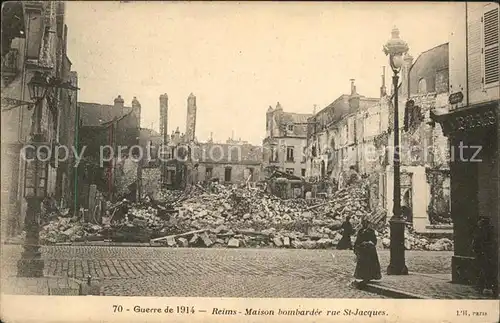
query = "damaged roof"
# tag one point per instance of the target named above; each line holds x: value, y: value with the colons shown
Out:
x: 95, y: 114
x: 245, y: 154
x: 299, y: 120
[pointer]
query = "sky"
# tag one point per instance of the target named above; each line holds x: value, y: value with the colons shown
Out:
x: 240, y: 58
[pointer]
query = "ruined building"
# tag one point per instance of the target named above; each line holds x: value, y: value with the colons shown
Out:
x: 285, y: 141
x: 331, y: 136
x: 104, y: 125
x: 358, y: 131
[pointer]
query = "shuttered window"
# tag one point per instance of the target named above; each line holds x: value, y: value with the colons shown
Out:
x: 490, y: 29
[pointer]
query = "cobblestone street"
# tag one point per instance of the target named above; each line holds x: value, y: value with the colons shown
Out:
x: 143, y: 271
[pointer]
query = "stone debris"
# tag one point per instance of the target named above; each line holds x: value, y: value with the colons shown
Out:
x: 234, y: 217
x: 233, y: 243
x: 414, y: 241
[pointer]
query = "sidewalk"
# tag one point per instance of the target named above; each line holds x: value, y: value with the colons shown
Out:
x: 423, y: 286
x: 47, y: 285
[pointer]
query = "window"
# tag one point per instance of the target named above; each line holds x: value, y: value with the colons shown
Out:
x: 35, y: 29
x: 290, y: 127
x: 303, y: 172
x: 227, y: 174
x: 208, y: 173
x: 274, y: 155
x: 490, y: 29
x: 422, y: 86
x: 289, y: 171
x: 304, y: 154
x: 289, y: 154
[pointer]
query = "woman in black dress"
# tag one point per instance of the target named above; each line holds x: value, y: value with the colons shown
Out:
x: 347, y: 232
x: 367, y: 266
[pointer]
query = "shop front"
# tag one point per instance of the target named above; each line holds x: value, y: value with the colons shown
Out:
x: 473, y: 134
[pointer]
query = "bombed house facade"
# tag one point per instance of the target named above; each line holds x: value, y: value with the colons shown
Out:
x: 227, y: 163
x: 34, y: 39
x: 358, y: 131
x: 285, y: 142
x: 332, y: 136
x: 469, y: 119
x: 109, y: 131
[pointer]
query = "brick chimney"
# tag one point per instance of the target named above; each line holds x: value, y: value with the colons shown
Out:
x: 383, y: 90
x: 136, y: 107
x: 191, y: 118
x: 354, y: 97
x: 118, y: 107
x: 164, y: 117
x: 177, y: 135
x: 269, y: 122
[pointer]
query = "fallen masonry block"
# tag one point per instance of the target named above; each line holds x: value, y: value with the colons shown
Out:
x: 233, y: 243
x: 219, y: 229
x: 178, y: 235
x: 286, y: 241
x: 297, y: 244
x: 171, y: 242
x: 308, y: 244
x: 206, y: 240
x: 183, y: 242
x: 277, y: 242
x: 194, y: 239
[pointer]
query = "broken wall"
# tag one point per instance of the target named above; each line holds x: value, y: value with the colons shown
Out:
x: 439, y: 208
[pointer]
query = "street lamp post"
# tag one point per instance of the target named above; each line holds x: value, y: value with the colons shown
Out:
x: 36, y: 177
x: 35, y: 184
x: 395, y: 49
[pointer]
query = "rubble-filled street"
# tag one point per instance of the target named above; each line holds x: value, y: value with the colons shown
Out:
x: 145, y: 271
x: 234, y: 218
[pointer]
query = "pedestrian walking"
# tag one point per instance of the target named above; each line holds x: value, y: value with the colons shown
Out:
x: 367, y: 265
x: 484, y: 246
x: 347, y: 232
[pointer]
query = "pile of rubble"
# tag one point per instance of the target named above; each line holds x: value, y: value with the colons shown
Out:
x: 414, y: 241
x: 241, y: 217
x: 234, y: 217
x: 65, y: 229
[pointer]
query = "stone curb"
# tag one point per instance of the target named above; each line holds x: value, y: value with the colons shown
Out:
x: 81, y: 289
x: 391, y: 292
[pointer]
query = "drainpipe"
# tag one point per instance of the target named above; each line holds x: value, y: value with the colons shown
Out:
x: 466, y: 54
x: 76, y: 144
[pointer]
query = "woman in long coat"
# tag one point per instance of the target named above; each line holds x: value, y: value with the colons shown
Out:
x: 347, y: 232
x: 368, y: 265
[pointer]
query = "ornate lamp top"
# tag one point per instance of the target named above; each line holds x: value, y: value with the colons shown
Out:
x: 395, y: 45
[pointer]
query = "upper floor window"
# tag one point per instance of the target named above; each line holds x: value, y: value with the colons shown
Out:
x: 290, y: 127
x: 490, y: 29
x: 422, y: 86
x: 35, y: 33
x: 289, y: 154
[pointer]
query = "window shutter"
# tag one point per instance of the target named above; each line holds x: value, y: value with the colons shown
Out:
x: 490, y: 42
